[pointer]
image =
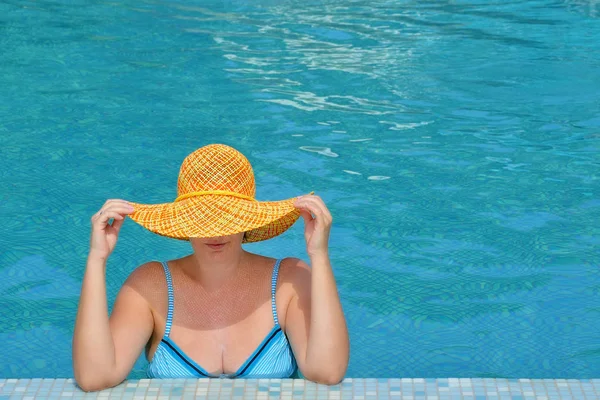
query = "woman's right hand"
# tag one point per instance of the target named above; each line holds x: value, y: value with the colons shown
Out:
x: 104, y: 234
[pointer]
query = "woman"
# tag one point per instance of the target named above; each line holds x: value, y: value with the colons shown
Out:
x: 220, y: 311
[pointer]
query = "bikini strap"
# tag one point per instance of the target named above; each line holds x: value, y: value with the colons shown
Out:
x: 273, y: 288
x: 171, y: 301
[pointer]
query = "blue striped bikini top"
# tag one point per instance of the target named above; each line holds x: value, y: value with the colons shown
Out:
x: 273, y: 358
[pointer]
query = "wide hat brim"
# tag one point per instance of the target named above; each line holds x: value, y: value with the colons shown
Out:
x: 215, y: 215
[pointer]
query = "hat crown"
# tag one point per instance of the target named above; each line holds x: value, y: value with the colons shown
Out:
x: 216, y: 167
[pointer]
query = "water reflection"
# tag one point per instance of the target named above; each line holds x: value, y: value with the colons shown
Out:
x: 455, y: 144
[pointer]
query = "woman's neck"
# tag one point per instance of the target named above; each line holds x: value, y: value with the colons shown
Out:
x: 214, y: 270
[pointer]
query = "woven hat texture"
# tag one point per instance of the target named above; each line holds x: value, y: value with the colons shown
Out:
x: 215, y: 197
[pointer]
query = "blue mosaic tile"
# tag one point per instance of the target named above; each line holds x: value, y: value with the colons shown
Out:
x: 365, y: 389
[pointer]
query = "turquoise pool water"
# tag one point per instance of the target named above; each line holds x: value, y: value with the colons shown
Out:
x: 456, y: 144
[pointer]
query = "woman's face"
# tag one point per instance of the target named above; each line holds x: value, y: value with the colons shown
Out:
x: 219, y: 244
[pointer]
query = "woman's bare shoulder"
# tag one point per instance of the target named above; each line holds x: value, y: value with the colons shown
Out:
x: 295, y: 272
x: 148, y: 278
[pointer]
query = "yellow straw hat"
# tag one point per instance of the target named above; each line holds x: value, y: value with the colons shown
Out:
x: 215, y: 197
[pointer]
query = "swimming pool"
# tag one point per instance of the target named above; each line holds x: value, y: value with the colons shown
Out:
x: 456, y: 144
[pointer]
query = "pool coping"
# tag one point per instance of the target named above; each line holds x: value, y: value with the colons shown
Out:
x: 350, y: 388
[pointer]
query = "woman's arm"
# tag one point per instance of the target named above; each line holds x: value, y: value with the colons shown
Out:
x: 315, y: 321
x: 104, y: 349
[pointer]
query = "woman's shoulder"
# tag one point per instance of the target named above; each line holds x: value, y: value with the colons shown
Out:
x: 295, y: 272
x: 148, y: 277
x: 294, y: 265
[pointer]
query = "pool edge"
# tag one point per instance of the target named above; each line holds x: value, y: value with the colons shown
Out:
x: 350, y: 388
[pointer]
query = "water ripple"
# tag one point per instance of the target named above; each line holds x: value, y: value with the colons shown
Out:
x: 324, y: 151
x: 455, y: 143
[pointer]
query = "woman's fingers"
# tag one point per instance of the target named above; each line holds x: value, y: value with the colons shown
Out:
x: 320, y: 204
x: 102, y: 219
x: 306, y: 216
x: 114, y: 207
x: 115, y: 202
x: 124, y: 209
x: 316, y: 206
x: 117, y: 224
x: 104, y: 233
x: 307, y: 204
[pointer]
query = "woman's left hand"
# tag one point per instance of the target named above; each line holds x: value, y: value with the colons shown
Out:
x: 317, y: 224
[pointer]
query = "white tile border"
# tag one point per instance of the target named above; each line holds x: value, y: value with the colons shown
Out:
x: 351, y: 388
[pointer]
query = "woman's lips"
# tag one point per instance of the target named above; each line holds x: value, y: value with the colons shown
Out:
x: 216, y: 246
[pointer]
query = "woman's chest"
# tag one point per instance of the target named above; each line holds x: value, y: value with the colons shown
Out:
x: 221, y: 340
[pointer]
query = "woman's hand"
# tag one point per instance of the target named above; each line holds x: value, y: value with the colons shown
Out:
x: 317, y: 224
x: 104, y: 234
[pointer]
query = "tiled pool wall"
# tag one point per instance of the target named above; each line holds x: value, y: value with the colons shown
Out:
x: 410, y: 389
